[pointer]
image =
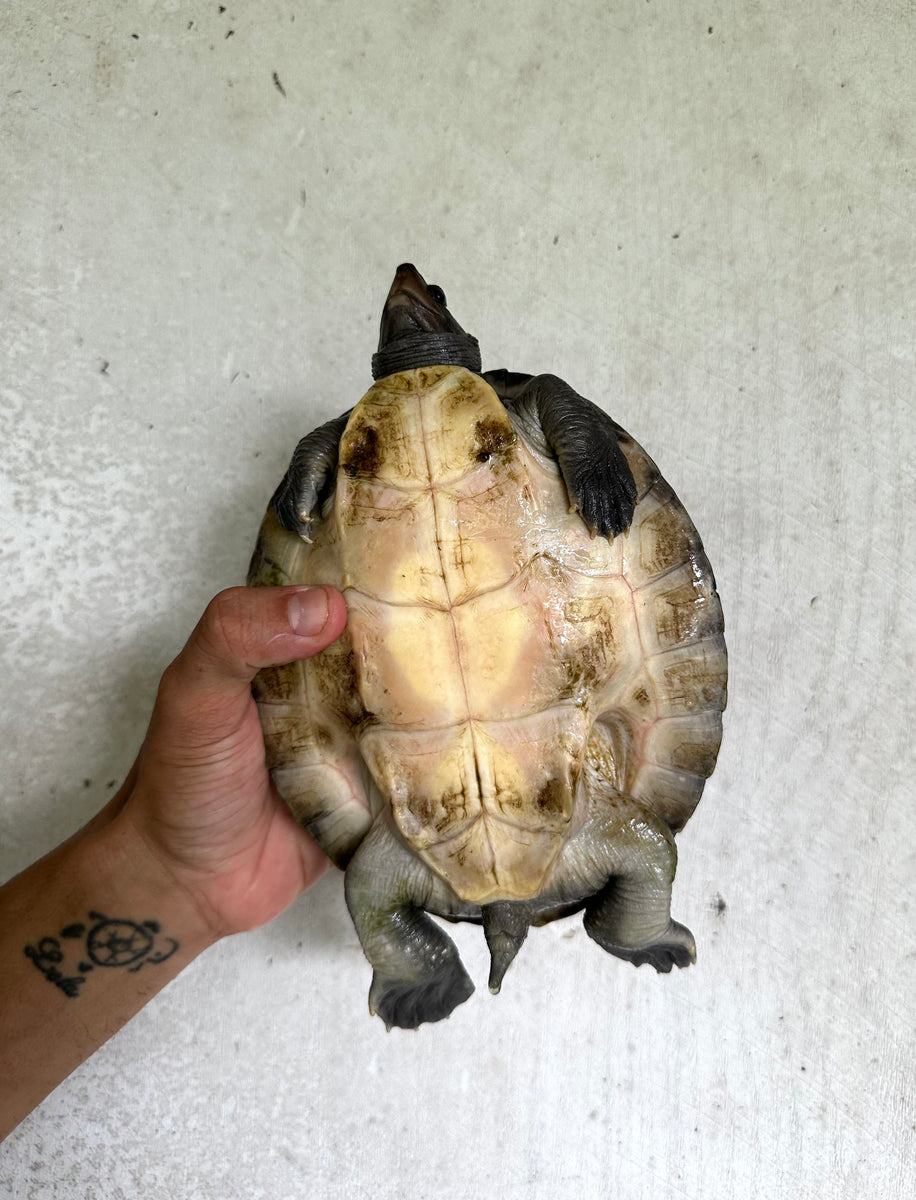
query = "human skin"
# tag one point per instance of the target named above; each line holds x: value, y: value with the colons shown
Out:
x: 195, y: 846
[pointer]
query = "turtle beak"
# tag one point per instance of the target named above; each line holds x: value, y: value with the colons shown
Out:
x: 407, y: 282
x: 410, y: 308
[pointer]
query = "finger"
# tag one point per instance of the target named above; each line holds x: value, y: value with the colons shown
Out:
x: 242, y: 630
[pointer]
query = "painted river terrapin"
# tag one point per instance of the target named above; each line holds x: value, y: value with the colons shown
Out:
x: 527, y: 700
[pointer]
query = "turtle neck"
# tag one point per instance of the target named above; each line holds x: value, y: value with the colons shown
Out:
x: 423, y: 349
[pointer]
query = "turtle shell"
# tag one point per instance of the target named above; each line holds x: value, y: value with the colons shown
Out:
x: 488, y: 633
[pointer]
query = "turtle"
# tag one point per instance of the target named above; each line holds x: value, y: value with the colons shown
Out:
x: 527, y: 700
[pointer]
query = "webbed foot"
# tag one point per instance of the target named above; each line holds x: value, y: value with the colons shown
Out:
x: 604, y: 493
x: 675, y: 948
x: 409, y: 1003
x: 417, y: 975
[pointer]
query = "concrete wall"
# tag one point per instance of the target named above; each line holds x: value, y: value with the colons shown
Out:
x: 701, y: 215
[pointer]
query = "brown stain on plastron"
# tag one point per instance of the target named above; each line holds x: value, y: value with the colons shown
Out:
x: 379, y: 443
x: 362, y: 454
x: 591, y: 644
x: 437, y: 817
x: 551, y: 799
x: 492, y: 436
x: 508, y: 798
x: 334, y: 674
x: 423, y: 808
x: 283, y: 683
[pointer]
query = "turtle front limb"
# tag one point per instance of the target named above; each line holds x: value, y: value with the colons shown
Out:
x: 417, y: 974
x: 310, y: 476
x: 582, y: 438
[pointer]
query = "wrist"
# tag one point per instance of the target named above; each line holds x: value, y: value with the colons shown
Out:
x: 88, y: 935
x: 132, y: 876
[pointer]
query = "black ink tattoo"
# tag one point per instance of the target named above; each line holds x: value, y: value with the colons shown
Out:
x: 106, y: 942
x: 46, y: 955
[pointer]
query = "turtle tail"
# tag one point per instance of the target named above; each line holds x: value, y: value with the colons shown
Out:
x: 505, y: 926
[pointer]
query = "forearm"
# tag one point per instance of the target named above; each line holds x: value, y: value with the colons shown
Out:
x: 87, y: 936
x: 196, y: 845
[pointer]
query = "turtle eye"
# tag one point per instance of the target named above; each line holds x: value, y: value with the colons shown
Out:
x: 437, y: 293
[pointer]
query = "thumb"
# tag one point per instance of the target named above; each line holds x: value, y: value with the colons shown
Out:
x: 207, y: 688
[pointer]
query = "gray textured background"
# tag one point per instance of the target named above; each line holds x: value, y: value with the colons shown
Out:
x: 703, y: 216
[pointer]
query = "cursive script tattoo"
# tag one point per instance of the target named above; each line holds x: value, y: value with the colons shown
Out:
x: 66, y: 960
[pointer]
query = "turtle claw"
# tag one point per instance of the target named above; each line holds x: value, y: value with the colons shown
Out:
x: 296, y: 508
x: 675, y: 948
x: 410, y: 1003
x: 605, y: 496
x: 305, y: 526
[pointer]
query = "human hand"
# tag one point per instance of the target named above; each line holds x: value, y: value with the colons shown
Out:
x: 197, y: 844
x: 199, y: 794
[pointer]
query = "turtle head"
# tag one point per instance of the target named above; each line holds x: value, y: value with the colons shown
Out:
x: 417, y: 330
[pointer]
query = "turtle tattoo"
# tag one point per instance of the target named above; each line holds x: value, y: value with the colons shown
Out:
x: 527, y: 700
